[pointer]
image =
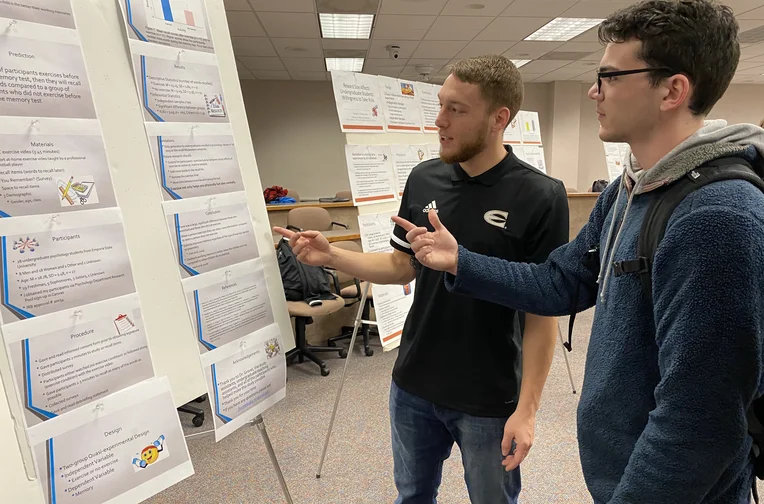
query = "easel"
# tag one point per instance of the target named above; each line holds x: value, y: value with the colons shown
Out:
x: 356, y: 325
x: 260, y: 423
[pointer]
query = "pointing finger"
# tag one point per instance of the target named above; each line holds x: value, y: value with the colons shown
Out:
x: 435, y: 220
x: 283, y: 232
x: 406, y: 225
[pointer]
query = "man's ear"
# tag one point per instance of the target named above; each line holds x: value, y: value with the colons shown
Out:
x: 501, y: 118
x: 677, y: 90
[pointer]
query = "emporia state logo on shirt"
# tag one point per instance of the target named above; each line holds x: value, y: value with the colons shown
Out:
x: 496, y: 218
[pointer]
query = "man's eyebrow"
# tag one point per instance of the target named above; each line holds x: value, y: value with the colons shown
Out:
x: 454, y: 102
x: 606, y: 68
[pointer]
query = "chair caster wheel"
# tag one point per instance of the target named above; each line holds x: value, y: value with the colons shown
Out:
x: 324, y: 372
x: 331, y: 343
x: 369, y: 352
x: 198, y: 420
x: 343, y: 354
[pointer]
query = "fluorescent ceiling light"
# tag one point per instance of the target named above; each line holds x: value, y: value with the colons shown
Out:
x: 346, y: 64
x: 563, y: 29
x: 519, y: 63
x: 346, y: 26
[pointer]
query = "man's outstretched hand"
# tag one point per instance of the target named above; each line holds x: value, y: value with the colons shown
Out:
x: 310, y: 247
x: 436, y: 250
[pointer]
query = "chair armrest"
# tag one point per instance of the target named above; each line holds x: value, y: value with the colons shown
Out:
x: 294, y: 228
x: 340, y: 225
x: 335, y: 279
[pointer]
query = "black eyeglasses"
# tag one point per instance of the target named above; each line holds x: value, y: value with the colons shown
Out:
x: 618, y: 73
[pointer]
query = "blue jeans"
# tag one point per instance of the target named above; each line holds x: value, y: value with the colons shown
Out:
x: 423, y: 435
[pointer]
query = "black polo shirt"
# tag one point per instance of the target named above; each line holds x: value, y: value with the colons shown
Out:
x: 458, y: 352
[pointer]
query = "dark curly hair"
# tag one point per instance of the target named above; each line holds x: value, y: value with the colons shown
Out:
x: 696, y: 38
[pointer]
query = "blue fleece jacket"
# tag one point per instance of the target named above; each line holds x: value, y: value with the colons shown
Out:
x: 661, y: 419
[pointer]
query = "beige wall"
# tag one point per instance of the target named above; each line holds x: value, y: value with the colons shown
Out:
x: 299, y: 145
x: 296, y: 135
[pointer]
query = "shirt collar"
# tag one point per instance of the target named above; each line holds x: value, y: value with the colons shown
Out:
x: 489, y: 177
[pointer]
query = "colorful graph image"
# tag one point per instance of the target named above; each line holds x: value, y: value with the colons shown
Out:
x: 407, y: 89
x: 187, y: 12
x: 77, y: 190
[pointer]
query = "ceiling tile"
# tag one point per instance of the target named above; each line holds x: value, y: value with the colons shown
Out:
x: 252, y: 46
x: 236, y: 5
x: 754, y: 70
x: 563, y: 74
x: 481, y: 47
x: 245, y: 24
x: 313, y: 76
x: 594, y: 9
x: 531, y: 49
x: 583, y: 66
x: 751, y: 51
x: 753, y: 14
x: 373, y: 65
x: 595, y: 56
x: 283, y: 5
x: 346, y: 44
x: 437, y: 64
x: 240, y: 66
x: 378, y: 48
x: 457, y: 28
x: 529, y: 77
x: 304, y: 64
x: 468, y: 7
x: 409, y: 7
x: 590, y: 35
x: 755, y: 59
x: 298, y: 48
x: 545, y: 66
x: 440, y: 49
x: 256, y: 63
x: 388, y: 72
x: 246, y: 74
x: 272, y: 74
x: 750, y: 24
x: 402, y: 27
x: 741, y: 6
x: 512, y: 28
x: 296, y: 25
x: 589, y: 47
x: 537, y: 8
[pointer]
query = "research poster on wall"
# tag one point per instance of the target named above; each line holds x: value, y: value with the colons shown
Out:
x: 56, y: 166
x: 177, y: 86
x: 69, y: 359
x: 211, y: 232
x: 429, y: 104
x: 122, y: 450
x: 433, y: 150
x: 405, y: 158
x: 175, y: 23
x: 512, y: 134
x: 370, y: 171
x: 530, y: 130
x: 43, y: 73
x: 193, y: 161
x: 533, y: 155
x: 615, y: 155
x: 402, y: 111
x: 47, y: 12
x: 391, y: 302
x: 359, y: 103
x: 228, y: 304
x: 60, y: 262
x: 244, y: 379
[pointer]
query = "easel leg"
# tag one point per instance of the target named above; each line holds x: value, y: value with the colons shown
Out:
x: 356, y: 325
x: 565, y: 355
x: 268, y: 446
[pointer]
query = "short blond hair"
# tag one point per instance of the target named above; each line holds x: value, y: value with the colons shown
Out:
x: 499, y: 80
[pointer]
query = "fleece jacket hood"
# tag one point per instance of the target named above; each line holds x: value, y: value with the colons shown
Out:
x: 714, y: 140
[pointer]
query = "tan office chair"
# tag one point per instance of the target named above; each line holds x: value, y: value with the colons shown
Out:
x: 311, y: 218
x: 571, y: 190
x: 303, y: 315
x: 351, y: 290
x: 293, y: 194
x: 348, y: 195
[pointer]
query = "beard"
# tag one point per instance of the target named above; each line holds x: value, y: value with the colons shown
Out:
x: 466, y: 151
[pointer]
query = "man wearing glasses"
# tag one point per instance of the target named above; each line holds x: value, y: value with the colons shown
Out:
x: 670, y: 371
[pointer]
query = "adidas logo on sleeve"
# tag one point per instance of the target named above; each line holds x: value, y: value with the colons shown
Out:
x: 431, y: 206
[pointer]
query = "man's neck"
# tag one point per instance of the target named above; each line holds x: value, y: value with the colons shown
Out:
x: 660, y: 142
x: 485, y: 160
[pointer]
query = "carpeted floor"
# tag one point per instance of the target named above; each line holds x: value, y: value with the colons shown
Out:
x: 358, y: 467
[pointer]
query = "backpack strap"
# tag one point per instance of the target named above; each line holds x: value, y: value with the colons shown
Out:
x: 660, y: 211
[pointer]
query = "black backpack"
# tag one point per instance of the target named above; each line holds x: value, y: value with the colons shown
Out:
x: 302, y: 282
x: 652, y: 231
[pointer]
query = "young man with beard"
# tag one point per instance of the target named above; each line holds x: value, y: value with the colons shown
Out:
x: 672, y: 370
x: 457, y: 375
